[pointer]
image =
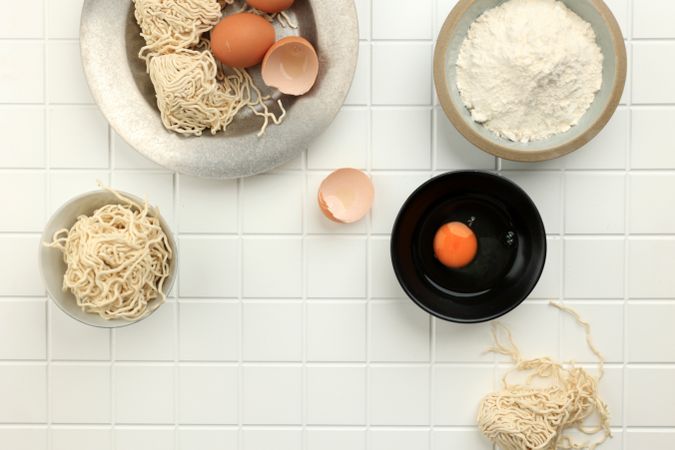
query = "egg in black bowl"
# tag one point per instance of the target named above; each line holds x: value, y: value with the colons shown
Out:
x: 505, y: 243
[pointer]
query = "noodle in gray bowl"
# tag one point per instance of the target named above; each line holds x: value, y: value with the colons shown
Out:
x: 121, y: 258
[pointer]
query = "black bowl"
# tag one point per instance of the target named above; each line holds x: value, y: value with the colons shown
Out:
x: 511, y: 246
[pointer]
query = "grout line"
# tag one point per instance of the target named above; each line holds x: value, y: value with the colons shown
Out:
x: 369, y: 228
x: 240, y: 356
x: 176, y: 323
x: 627, y: 205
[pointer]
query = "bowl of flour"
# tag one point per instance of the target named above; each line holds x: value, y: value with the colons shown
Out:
x: 530, y: 80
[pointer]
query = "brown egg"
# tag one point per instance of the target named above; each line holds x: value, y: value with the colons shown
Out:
x: 241, y: 40
x: 291, y: 65
x: 270, y: 6
x: 346, y: 195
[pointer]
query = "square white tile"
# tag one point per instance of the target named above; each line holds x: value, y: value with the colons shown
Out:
x: 78, y: 137
x: 73, y: 340
x: 398, y: 439
x: 649, y: 274
x: 144, y: 394
x: 653, y: 19
x: 607, y: 329
x: 19, y: 272
x: 273, y: 203
x: 457, y: 392
x: 262, y: 439
x: 464, y: 439
x: 23, y: 331
x: 14, y: 23
x: 207, y: 206
x: 344, y: 143
x: 144, y: 438
x: 454, y: 152
x: 399, y: 331
x: 67, y: 184
x: 331, y: 439
x: 336, y: 331
x: 359, y: 93
x: 125, y: 157
x: 649, y: 397
x: 272, y: 331
x: 152, y: 332
x: 391, y: 190
x: 648, y: 195
x: 342, y: 274
x: 398, y: 395
x: 461, y: 343
x: 363, y: 13
x: 208, y: 331
x: 545, y: 190
x: 599, y: 276
x: 209, y: 267
x: 23, y: 131
x: 22, y: 72
x: 62, y: 19
x: 272, y: 267
x: 651, y: 147
x: 594, y: 203
x: 80, y: 393
x: 65, y: 76
x: 535, y: 328
x: 81, y: 438
x: 402, y: 73
x: 336, y: 395
x: 23, y: 390
x: 271, y: 396
x: 608, y: 150
x: 207, y: 439
x: 401, y: 138
x: 648, y: 326
x: 637, y: 439
x: 653, y: 70
x: 395, y: 19
x: 26, y: 438
x: 207, y: 395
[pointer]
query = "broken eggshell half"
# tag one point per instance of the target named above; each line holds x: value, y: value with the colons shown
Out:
x: 346, y: 195
x: 291, y: 65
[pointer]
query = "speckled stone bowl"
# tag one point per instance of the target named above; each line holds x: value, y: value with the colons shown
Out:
x: 610, y: 40
x: 110, y: 41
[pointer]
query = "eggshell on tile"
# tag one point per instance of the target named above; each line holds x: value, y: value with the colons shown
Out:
x: 346, y: 195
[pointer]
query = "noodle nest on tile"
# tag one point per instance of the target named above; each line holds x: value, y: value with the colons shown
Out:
x: 529, y: 417
x: 117, y: 259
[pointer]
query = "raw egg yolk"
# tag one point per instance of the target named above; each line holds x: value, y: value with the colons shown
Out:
x: 455, y: 245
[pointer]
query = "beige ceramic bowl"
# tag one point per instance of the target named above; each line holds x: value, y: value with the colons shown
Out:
x: 52, y: 266
x: 610, y: 40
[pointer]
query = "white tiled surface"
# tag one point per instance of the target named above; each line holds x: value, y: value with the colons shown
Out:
x: 289, y: 332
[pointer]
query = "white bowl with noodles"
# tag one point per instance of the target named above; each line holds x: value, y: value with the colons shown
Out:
x: 53, y: 267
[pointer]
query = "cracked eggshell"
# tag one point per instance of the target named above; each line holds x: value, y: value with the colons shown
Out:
x: 346, y: 195
x: 291, y: 65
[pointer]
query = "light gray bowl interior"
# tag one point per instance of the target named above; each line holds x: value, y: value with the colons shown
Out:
x: 585, y: 10
x: 52, y: 266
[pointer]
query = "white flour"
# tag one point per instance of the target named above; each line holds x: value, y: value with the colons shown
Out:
x: 529, y: 69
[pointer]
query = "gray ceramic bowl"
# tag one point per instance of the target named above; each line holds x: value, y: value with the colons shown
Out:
x: 52, y: 266
x: 110, y: 41
x: 610, y: 40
